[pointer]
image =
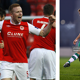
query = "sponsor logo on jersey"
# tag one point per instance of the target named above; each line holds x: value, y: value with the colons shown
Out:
x: 21, y: 28
x: 14, y: 34
x: 42, y: 22
x: 8, y: 26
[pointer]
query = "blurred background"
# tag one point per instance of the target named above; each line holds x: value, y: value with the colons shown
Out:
x: 69, y: 25
x: 31, y: 8
x: 69, y: 30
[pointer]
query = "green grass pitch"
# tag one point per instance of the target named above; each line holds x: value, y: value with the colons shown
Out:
x: 69, y: 73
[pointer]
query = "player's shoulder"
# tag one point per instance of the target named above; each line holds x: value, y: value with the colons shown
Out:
x: 39, y: 20
x: 24, y: 23
x: 6, y: 21
x: 42, y: 18
x: 36, y: 19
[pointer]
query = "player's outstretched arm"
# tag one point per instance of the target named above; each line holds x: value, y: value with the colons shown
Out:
x: 2, y: 44
x: 74, y: 42
x: 54, y: 24
x: 47, y: 29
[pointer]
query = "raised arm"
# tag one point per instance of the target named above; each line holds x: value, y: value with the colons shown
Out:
x: 54, y: 24
x: 74, y: 42
x: 2, y: 44
x: 47, y: 29
x: 42, y: 32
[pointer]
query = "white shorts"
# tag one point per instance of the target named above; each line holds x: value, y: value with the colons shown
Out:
x: 20, y: 69
x: 42, y: 63
x: 0, y: 69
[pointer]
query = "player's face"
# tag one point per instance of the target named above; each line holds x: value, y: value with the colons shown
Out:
x: 16, y: 15
x: 0, y: 18
x: 3, y: 17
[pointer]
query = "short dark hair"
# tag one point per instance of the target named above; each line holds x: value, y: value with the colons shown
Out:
x: 12, y: 6
x: 55, y: 13
x: 48, y: 9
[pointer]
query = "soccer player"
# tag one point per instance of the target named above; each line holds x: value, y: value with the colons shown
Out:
x: 76, y: 55
x: 42, y: 60
x: 1, y: 54
x: 2, y: 16
x: 15, y: 33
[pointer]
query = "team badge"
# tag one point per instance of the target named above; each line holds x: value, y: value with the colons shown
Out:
x: 21, y: 27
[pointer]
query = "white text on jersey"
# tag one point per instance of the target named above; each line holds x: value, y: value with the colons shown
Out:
x: 42, y: 22
x: 14, y: 34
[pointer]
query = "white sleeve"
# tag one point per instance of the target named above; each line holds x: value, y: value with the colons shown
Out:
x: 33, y: 29
x: 1, y: 23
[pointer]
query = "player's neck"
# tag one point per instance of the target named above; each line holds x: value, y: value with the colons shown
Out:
x: 14, y: 22
x: 46, y: 15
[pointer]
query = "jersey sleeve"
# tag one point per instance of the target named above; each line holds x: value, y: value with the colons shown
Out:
x: 33, y: 29
x: 1, y: 23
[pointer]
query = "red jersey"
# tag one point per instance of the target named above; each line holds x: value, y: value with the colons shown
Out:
x: 40, y: 42
x: 1, y: 50
x: 15, y: 38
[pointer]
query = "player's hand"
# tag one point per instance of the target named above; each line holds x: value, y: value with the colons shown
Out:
x: 2, y: 44
x: 54, y: 24
x: 51, y: 19
x: 74, y: 42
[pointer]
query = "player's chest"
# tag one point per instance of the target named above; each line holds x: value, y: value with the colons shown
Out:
x: 16, y: 31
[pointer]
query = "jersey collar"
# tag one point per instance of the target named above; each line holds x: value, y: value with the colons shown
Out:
x: 13, y: 23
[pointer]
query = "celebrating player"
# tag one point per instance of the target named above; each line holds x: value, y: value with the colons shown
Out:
x: 15, y: 34
x: 2, y: 16
x: 42, y: 61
